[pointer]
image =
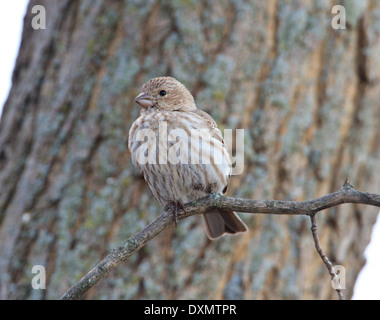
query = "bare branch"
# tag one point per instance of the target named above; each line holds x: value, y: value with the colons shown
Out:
x: 345, y: 195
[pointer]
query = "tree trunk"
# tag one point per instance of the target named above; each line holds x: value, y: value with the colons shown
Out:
x: 306, y: 94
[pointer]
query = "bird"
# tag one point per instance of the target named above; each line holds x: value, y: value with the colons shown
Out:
x: 166, y: 143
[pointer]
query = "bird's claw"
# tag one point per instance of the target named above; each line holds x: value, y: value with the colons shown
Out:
x: 176, y: 205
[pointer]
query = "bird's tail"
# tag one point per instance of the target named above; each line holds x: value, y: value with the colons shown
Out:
x: 220, y: 221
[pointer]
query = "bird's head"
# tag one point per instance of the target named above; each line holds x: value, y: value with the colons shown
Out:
x: 165, y: 93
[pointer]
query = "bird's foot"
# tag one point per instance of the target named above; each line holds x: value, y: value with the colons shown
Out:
x: 176, y: 205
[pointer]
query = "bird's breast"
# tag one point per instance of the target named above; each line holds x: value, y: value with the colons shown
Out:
x: 180, y: 158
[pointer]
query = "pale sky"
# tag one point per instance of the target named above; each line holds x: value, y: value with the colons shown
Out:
x: 367, y: 284
x: 10, y: 34
x: 11, y: 22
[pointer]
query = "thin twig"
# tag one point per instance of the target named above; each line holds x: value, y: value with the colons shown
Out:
x: 325, y: 259
x: 345, y: 195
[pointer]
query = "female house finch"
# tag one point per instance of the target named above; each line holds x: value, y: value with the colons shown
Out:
x: 177, y: 174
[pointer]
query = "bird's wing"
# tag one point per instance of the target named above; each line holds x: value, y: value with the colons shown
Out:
x: 215, y: 133
x: 210, y: 124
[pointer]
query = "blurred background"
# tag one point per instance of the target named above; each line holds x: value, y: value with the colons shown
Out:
x: 306, y: 94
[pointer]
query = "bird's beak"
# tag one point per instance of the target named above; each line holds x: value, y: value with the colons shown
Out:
x: 144, y: 100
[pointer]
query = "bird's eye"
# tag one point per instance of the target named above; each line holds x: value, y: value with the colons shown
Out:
x: 162, y: 92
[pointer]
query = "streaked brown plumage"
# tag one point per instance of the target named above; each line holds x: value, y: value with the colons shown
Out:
x: 167, y: 119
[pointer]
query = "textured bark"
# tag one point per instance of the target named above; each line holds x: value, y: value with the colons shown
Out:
x: 306, y: 95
